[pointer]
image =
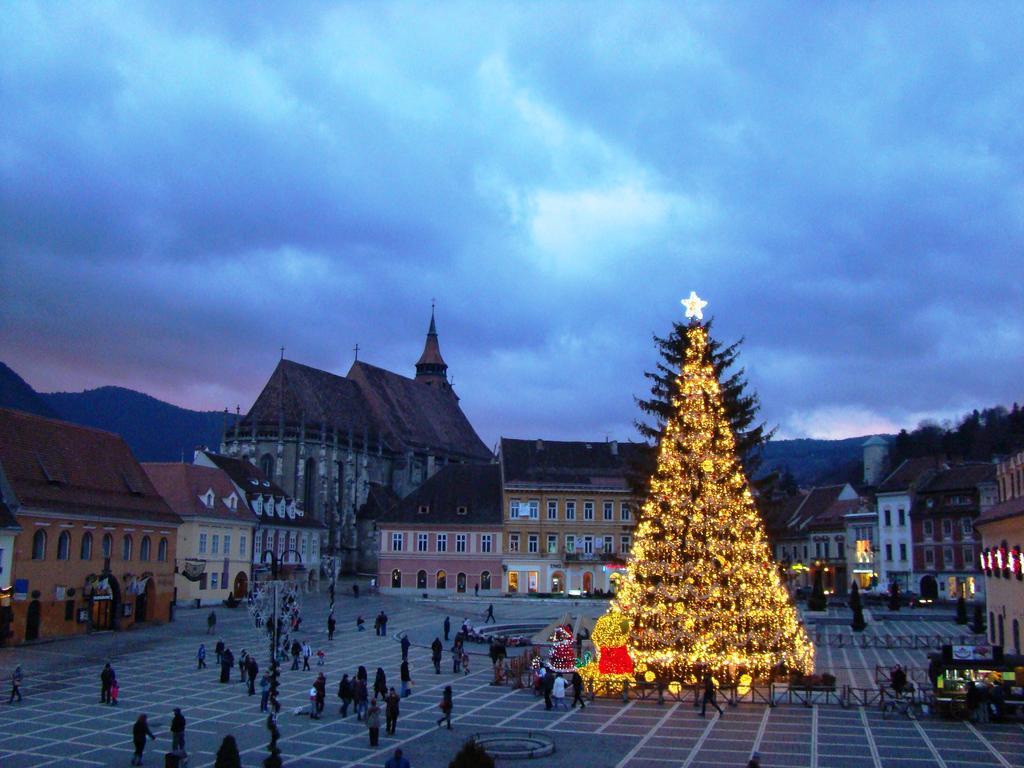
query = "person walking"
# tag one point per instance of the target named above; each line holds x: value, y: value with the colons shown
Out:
x: 362, y: 697
x: 547, y: 684
x: 406, y: 678
x: 577, y: 690
x: 709, y: 696
x: 380, y: 684
x: 898, y: 678
x: 405, y: 647
x: 476, y: 590
x: 115, y: 691
x: 227, y: 661
x: 106, y: 678
x: 373, y: 722
x: 397, y: 761
x: 345, y: 694
x: 465, y: 662
x: 227, y: 755
x: 218, y: 650
x: 355, y: 591
x: 251, y: 670
x: 558, y: 692
x: 307, y: 654
x: 447, y: 628
x: 178, y: 731
x: 312, y: 704
x: 243, y: 657
x: 201, y: 656
x: 16, y: 680
x: 321, y: 693
x: 391, y: 707
x: 456, y: 656
x: 331, y: 626
x: 211, y: 622
x: 436, y: 649
x: 446, y: 707
x: 265, y: 693
x: 360, y: 624
x: 139, y: 733
x: 490, y: 614
x: 296, y: 651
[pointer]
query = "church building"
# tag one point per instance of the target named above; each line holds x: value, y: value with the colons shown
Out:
x: 332, y: 442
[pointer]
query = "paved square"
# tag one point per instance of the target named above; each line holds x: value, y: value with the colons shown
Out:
x: 62, y: 723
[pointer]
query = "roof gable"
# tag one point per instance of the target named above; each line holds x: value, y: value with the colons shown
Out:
x: 573, y: 463
x: 457, y: 494
x: 187, y: 487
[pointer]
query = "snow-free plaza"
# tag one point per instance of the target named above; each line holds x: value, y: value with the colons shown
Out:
x: 61, y: 722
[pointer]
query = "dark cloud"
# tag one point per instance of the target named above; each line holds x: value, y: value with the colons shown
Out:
x: 186, y: 187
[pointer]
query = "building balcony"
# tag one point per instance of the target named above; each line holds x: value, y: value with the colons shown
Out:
x: 593, y: 557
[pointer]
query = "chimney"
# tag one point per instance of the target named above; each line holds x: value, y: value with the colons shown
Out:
x: 614, y: 446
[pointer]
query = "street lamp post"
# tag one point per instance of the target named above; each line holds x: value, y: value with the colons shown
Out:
x: 273, y: 760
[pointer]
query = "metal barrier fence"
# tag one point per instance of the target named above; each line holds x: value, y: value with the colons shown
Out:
x: 883, y: 675
x: 891, y: 642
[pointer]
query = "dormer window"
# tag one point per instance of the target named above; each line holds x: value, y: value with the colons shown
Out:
x: 231, y: 501
x: 461, y: 510
x: 266, y: 483
x: 424, y: 509
x: 254, y: 481
x: 208, y: 499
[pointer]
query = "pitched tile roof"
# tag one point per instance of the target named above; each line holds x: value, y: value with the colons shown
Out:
x: 182, y: 485
x: 63, y: 467
x: 475, y: 487
x: 908, y: 474
x: 834, y: 516
x: 961, y: 477
x: 7, y: 519
x: 573, y: 463
x: 379, y: 500
x: 815, y: 503
x: 1002, y: 511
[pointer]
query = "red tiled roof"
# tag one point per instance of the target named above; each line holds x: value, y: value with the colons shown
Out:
x: 835, y: 515
x: 961, y: 477
x: 1002, y: 511
x: 182, y: 485
x: 476, y: 487
x: 565, y: 462
x: 816, y: 502
x: 908, y: 473
x: 63, y: 467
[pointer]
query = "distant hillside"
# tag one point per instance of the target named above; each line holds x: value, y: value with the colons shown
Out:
x: 16, y: 393
x: 155, y: 430
x: 816, y: 462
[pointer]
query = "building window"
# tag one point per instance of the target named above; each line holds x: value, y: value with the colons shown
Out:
x: 485, y: 542
x: 947, y: 528
x: 903, y: 551
x: 805, y: 552
x: 588, y: 510
x: 126, y: 548
x: 421, y: 542
x: 969, y: 557
x: 533, y: 509
x: 161, y: 551
x: 227, y: 544
x: 552, y: 543
x: 202, y: 543
x: 929, y: 556
x: 462, y: 510
x: 947, y: 557
x: 309, y: 486
x: 928, y: 528
x: 570, y: 510
x: 624, y: 544
x: 840, y: 549
x: 888, y: 552
x: 888, y: 517
x: 513, y: 542
x: 533, y: 543
x: 513, y: 509
x: 442, y: 542
x: 609, y: 545
x: 64, y: 546
x: 625, y: 513
x: 215, y: 544
x: 609, y: 509
x: 570, y: 544
x: 144, y: 549
x: 460, y: 542
x: 817, y: 550
x: 213, y: 580
x: 485, y: 580
x: 421, y: 579
x: 396, y: 579
x: 441, y: 580
x: 267, y: 465
x: 302, y: 549
x: 967, y: 527
x: 827, y: 544
x: 397, y: 540
x: 553, y: 509
x: 241, y: 546
x: 588, y: 545
x: 424, y: 509
x: 902, y: 516
x: 85, y: 551
x: 39, y: 545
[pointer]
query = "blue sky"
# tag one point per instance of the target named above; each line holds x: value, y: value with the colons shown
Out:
x: 185, y: 187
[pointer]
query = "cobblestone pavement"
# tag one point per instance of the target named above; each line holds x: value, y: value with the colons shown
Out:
x: 62, y: 723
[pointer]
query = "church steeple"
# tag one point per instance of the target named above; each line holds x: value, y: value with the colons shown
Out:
x: 431, y: 368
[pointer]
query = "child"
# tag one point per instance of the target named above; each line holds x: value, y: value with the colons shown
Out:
x: 320, y: 657
x: 360, y: 621
x: 115, y: 689
x: 465, y: 663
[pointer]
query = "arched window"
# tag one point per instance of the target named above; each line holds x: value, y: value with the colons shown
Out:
x: 309, y: 486
x: 126, y: 548
x: 396, y: 579
x: 485, y: 580
x: 64, y: 546
x: 39, y: 545
x: 442, y: 580
x: 144, y: 549
x: 85, y: 552
x: 460, y: 582
x: 108, y: 545
x: 267, y: 465
x: 421, y: 579
x: 161, y: 551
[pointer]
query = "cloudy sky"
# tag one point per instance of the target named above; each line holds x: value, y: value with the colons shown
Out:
x: 187, y: 187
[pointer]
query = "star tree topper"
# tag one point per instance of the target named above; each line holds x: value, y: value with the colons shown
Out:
x: 694, y: 306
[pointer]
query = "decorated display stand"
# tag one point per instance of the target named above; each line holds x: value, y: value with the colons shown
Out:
x: 700, y: 594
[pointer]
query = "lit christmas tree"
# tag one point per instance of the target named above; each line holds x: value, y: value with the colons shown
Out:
x: 563, y: 656
x: 701, y: 591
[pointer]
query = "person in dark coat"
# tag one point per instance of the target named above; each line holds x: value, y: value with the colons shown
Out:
x: 296, y: 650
x: 898, y: 677
x: 362, y: 697
x: 447, y: 628
x: 547, y: 685
x: 709, y: 696
x: 211, y: 622
x: 345, y: 694
x: 405, y: 647
x: 436, y: 649
x: 106, y: 679
x: 406, y: 678
x: 178, y: 731
x: 139, y: 733
x: 218, y: 649
x: 227, y: 755
x: 331, y: 626
x: 446, y: 707
x: 391, y: 706
x: 251, y: 670
x: 380, y: 684
x: 355, y: 591
x: 489, y: 616
x: 227, y: 662
x: 373, y: 723
x: 577, y: 690
x: 321, y: 693
x: 397, y: 761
